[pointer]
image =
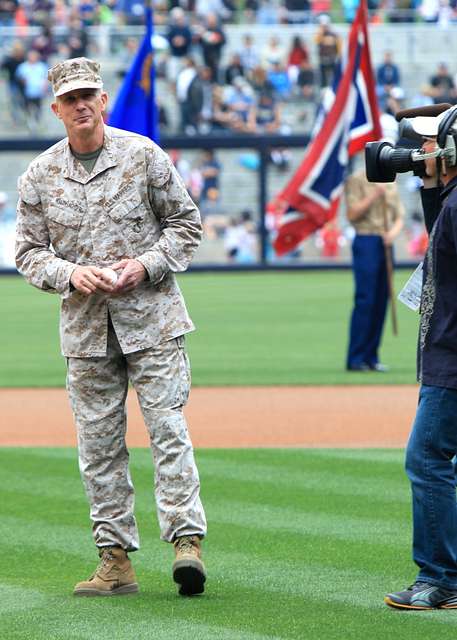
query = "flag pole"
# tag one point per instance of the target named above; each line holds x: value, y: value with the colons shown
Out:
x: 390, y: 275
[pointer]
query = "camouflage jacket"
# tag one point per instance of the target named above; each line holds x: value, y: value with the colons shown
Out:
x: 134, y: 205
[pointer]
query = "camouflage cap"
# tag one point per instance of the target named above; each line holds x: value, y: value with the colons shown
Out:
x: 76, y: 73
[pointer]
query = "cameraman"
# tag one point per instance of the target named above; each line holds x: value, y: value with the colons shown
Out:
x: 376, y: 213
x: 432, y: 444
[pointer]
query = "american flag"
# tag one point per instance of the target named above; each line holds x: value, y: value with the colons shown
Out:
x: 346, y: 121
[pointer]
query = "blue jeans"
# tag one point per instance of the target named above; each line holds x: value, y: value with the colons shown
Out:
x: 429, y: 464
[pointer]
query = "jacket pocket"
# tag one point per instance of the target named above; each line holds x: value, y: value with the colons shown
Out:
x: 130, y: 211
x: 64, y: 226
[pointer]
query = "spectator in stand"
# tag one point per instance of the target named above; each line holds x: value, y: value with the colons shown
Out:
x: 106, y: 12
x: 273, y: 53
x: 429, y: 10
x: 179, y: 37
x: 132, y: 11
x: 402, y: 11
x: 61, y: 14
x: 77, y: 39
x: 191, y: 175
x: 221, y: 118
x: 189, y: 94
x: 373, y: 5
x: 268, y: 114
x: 321, y: 7
x: 249, y: 55
x: 87, y: 10
x: 44, y: 44
x: 223, y: 9
x: 267, y: 12
x: 8, y: 10
x: 212, y: 40
x: 206, y: 111
x: 442, y: 85
x: 9, y: 64
x: 250, y: 10
x: 297, y: 11
x: 393, y: 104
x: 329, y: 50
x: 306, y: 81
x: 40, y: 11
x: 350, y: 9
x: 210, y: 169
x: 214, y: 215
x: 127, y: 56
x: 260, y: 82
x: 387, y: 78
x: 233, y: 69
x: 297, y: 54
x: 417, y: 235
x: 33, y: 75
x: 279, y: 78
x: 330, y: 239
x: 423, y: 97
x: 268, y: 121
x: 388, y: 73
x: 240, y: 239
x: 241, y: 106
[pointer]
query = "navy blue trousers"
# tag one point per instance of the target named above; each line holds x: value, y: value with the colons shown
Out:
x: 370, y: 303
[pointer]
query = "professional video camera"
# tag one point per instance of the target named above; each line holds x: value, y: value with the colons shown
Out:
x: 383, y: 161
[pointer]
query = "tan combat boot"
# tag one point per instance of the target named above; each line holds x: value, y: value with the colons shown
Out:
x: 113, y: 576
x: 188, y: 569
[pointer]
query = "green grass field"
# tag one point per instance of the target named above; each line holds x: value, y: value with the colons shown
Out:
x: 252, y: 329
x: 302, y: 544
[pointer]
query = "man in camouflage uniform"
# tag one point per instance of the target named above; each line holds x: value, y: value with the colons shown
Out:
x: 110, y: 198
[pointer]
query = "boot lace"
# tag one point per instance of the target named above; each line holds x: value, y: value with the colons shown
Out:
x: 105, y: 559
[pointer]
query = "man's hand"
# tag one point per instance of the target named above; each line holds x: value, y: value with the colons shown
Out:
x: 430, y: 180
x: 388, y: 238
x: 132, y: 274
x: 89, y: 280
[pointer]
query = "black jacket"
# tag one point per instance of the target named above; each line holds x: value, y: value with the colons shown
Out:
x: 437, y: 353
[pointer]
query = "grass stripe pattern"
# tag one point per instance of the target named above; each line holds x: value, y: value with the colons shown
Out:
x: 302, y: 544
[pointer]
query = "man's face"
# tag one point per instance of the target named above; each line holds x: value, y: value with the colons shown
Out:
x: 429, y: 145
x: 80, y: 110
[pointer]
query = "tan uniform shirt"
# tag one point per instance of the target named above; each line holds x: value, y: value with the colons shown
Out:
x: 372, y: 221
x: 132, y: 205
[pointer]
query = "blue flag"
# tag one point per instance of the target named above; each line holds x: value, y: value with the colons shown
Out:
x: 135, y: 108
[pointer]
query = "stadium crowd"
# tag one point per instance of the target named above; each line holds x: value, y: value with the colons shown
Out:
x: 131, y: 12
x: 212, y: 86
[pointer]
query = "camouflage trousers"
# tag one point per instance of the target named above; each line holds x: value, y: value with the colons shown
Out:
x: 97, y: 388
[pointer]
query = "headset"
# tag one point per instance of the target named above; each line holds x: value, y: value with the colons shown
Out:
x: 446, y: 137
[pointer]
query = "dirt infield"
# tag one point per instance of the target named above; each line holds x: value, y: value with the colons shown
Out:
x: 375, y: 416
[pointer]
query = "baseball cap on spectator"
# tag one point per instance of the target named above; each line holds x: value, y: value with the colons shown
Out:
x: 3, y: 197
x: 76, y: 73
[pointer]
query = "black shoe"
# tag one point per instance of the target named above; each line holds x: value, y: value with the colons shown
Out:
x: 358, y: 367
x: 422, y: 596
x: 377, y: 366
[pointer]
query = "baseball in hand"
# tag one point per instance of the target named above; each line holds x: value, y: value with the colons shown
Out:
x: 110, y: 275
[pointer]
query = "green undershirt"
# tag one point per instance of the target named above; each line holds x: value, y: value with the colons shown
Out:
x: 88, y: 160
